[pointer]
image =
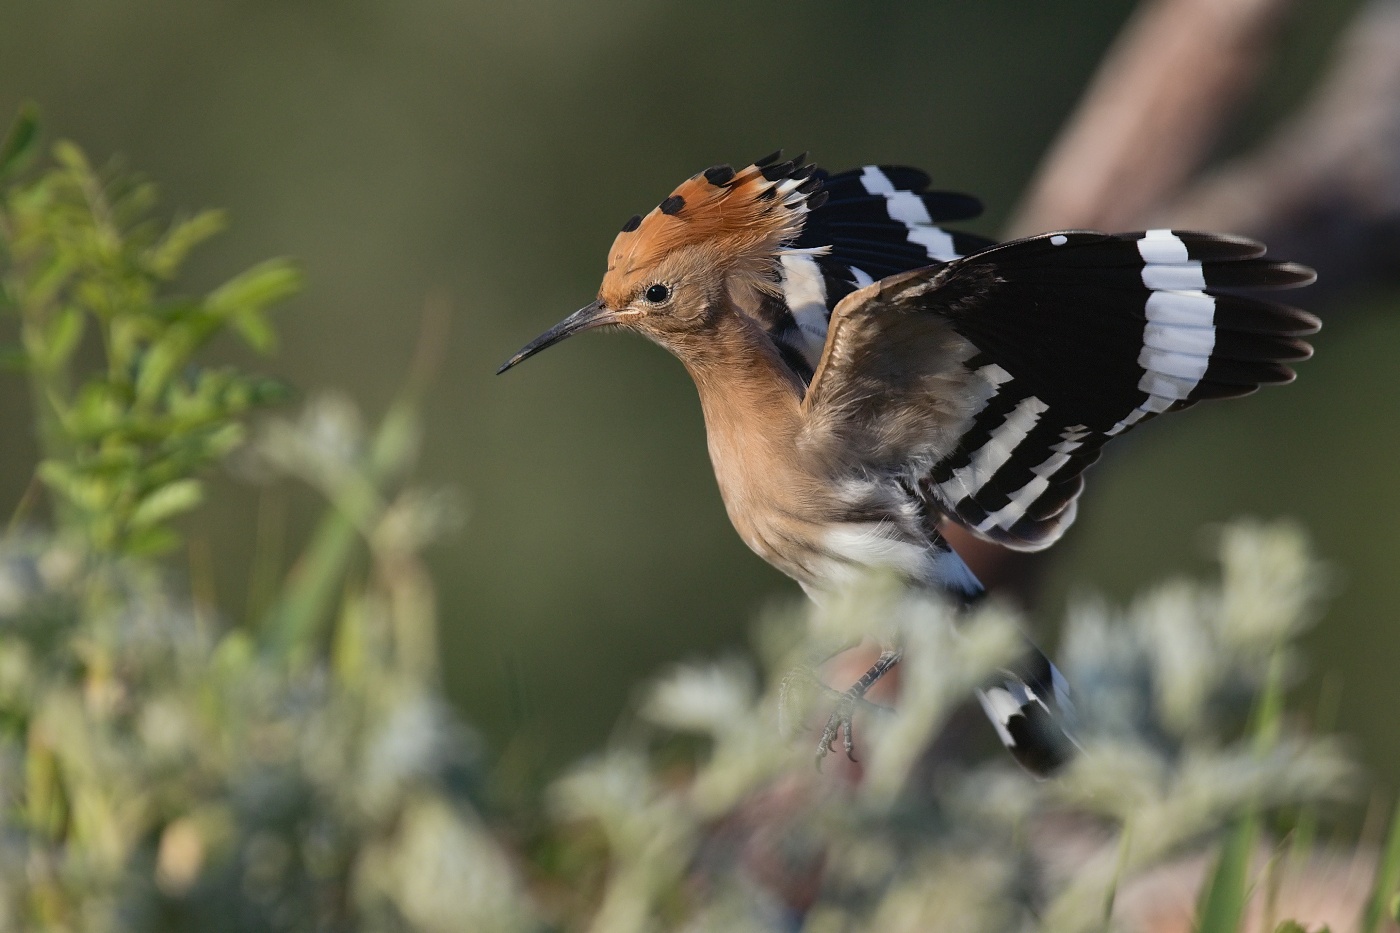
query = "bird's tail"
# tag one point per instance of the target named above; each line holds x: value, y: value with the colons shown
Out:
x: 1030, y: 707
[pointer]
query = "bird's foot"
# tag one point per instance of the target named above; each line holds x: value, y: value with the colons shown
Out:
x: 840, y: 722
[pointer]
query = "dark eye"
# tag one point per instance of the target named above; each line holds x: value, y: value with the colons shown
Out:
x: 657, y: 294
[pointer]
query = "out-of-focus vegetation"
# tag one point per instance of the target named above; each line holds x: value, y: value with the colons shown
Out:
x: 164, y: 766
x: 159, y: 768
x: 485, y: 154
x: 1165, y: 767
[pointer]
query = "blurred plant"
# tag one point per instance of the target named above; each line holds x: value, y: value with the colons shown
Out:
x: 157, y: 771
x: 302, y: 772
x: 124, y: 437
x: 1160, y: 690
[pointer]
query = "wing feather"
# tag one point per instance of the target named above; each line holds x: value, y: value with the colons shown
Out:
x: 990, y: 383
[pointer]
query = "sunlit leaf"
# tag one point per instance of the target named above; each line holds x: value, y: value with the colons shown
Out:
x: 166, y: 256
x: 166, y: 502
x: 65, y: 331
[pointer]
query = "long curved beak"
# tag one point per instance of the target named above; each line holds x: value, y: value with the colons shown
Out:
x: 585, y: 318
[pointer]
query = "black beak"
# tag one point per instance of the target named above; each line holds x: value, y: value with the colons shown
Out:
x: 585, y: 318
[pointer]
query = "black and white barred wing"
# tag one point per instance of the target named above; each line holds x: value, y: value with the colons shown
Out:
x: 1070, y: 339
x: 867, y: 224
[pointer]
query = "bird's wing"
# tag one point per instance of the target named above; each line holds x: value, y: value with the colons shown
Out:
x: 862, y: 225
x: 989, y: 383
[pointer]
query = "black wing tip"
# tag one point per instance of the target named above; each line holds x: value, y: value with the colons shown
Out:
x: 1244, y: 314
x: 1305, y: 322
x: 1255, y: 274
x: 1292, y: 275
x: 1227, y: 375
x: 1216, y: 247
x: 1302, y: 323
x: 951, y: 206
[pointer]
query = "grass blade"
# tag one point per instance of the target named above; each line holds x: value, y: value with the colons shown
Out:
x: 1227, y: 894
x: 1387, y: 880
x: 1222, y: 907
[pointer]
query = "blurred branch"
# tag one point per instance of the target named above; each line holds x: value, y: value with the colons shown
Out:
x: 1154, y: 108
x: 1325, y: 188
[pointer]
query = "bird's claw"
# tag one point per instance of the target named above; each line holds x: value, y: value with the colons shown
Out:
x: 839, y: 722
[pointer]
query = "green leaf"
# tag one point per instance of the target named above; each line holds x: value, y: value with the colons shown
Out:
x: 242, y: 299
x: 258, y: 287
x: 253, y: 327
x: 151, y: 541
x: 47, y: 279
x: 65, y: 331
x: 1225, y: 897
x: 1227, y: 894
x: 96, y: 411
x: 87, y: 493
x: 131, y: 200
x: 159, y: 363
x: 166, y: 502
x: 1383, y: 889
x: 21, y: 141
x: 223, y: 439
x: 166, y: 256
x: 68, y: 155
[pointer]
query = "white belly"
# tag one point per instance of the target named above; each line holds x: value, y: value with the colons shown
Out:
x: 855, y: 549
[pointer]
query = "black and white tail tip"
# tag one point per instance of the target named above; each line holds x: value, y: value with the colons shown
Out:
x: 1029, y: 706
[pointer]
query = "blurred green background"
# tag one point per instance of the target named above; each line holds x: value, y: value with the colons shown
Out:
x: 483, y: 156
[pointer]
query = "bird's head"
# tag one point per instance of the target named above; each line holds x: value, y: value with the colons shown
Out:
x: 713, y: 244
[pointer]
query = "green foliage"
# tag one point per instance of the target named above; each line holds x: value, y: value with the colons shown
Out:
x: 161, y: 775
x: 159, y: 770
x: 1385, y: 892
x: 1227, y: 893
x: 127, y: 428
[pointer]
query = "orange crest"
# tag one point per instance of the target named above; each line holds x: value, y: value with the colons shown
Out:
x: 748, y: 217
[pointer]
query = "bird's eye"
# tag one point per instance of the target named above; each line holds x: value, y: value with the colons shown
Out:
x: 657, y: 294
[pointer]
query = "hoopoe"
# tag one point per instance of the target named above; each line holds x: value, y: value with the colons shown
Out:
x: 867, y: 376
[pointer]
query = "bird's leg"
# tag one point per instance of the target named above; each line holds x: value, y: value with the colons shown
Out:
x: 840, y: 720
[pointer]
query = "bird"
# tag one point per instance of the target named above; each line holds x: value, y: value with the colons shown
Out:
x: 869, y: 377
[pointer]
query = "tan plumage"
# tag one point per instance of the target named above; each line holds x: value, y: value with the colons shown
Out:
x: 783, y: 467
x: 891, y: 383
